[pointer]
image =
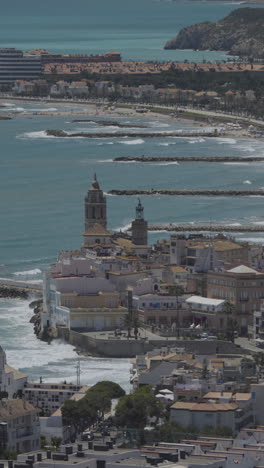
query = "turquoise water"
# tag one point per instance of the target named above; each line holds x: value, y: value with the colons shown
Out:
x: 138, y: 29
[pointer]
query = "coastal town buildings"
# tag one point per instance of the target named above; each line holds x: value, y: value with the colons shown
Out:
x: 12, y: 381
x: 14, y: 65
x: 182, y: 286
x: 19, y: 426
x: 242, y: 286
x: 49, y: 397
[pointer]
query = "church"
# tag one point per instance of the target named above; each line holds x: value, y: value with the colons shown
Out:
x: 97, y: 237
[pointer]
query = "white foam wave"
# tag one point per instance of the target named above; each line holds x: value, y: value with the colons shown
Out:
x: 137, y: 141
x: 124, y: 227
x: 247, y: 182
x: 55, y: 362
x: 35, y: 135
x: 172, y: 163
x: 228, y: 141
x: 8, y: 104
x: 105, y: 161
x: 196, y: 140
x: 45, y: 109
x: 36, y: 271
x: 259, y: 223
x: 105, y: 143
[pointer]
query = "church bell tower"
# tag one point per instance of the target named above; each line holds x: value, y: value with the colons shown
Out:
x: 139, y: 226
x: 95, y: 206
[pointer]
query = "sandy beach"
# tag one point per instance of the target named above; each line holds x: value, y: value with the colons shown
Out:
x: 230, y: 126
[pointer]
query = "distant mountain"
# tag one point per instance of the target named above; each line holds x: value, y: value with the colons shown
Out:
x: 240, y: 33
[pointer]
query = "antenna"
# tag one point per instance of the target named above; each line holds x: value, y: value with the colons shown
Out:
x: 78, y: 372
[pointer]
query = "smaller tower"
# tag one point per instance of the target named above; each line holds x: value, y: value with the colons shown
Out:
x: 139, y: 226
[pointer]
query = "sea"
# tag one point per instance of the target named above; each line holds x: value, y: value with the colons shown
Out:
x: 43, y: 180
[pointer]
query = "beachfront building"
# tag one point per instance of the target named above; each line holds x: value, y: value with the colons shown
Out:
x: 241, y: 286
x: 14, y: 65
x: 19, y: 426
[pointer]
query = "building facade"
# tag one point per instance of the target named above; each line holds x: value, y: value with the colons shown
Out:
x: 14, y: 65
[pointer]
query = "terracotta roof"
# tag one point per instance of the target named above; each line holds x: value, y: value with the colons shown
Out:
x: 11, y: 409
x: 16, y: 373
x: 178, y: 269
x: 208, y: 407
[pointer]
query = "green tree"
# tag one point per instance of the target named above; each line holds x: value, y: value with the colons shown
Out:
x: 56, y: 441
x: 135, y: 409
x: 231, y: 328
x: 229, y: 308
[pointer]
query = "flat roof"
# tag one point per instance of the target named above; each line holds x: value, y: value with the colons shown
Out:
x: 205, y: 301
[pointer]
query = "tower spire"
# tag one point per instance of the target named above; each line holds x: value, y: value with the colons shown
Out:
x: 139, y: 210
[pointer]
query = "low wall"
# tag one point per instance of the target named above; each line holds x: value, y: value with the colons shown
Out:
x: 126, y: 348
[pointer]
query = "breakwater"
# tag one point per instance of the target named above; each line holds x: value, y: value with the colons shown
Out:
x: 189, y: 192
x: 188, y: 159
x: 205, y: 228
x: 63, y: 134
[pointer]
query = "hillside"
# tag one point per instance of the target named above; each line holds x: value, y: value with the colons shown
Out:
x: 240, y: 33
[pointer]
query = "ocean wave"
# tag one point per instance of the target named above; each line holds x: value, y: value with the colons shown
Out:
x: 105, y: 160
x: 196, y: 140
x: 228, y: 141
x: 137, y: 141
x: 36, y: 271
x: 105, y: 143
x: 172, y: 163
x: 124, y: 227
x: 45, y: 109
x: 8, y: 104
x: 35, y: 135
x: 247, y: 182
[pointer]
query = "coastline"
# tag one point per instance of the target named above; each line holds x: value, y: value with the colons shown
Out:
x: 201, y: 118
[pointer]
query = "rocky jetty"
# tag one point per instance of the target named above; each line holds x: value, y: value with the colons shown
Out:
x: 190, y: 193
x: 11, y: 292
x: 239, y: 33
x: 187, y: 159
x: 63, y: 134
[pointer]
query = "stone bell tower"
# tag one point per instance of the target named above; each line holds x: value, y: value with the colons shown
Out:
x: 140, y: 226
x: 95, y: 206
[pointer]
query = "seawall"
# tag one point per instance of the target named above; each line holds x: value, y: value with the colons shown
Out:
x: 126, y: 348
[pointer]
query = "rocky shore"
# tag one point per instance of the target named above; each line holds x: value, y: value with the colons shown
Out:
x: 11, y: 292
